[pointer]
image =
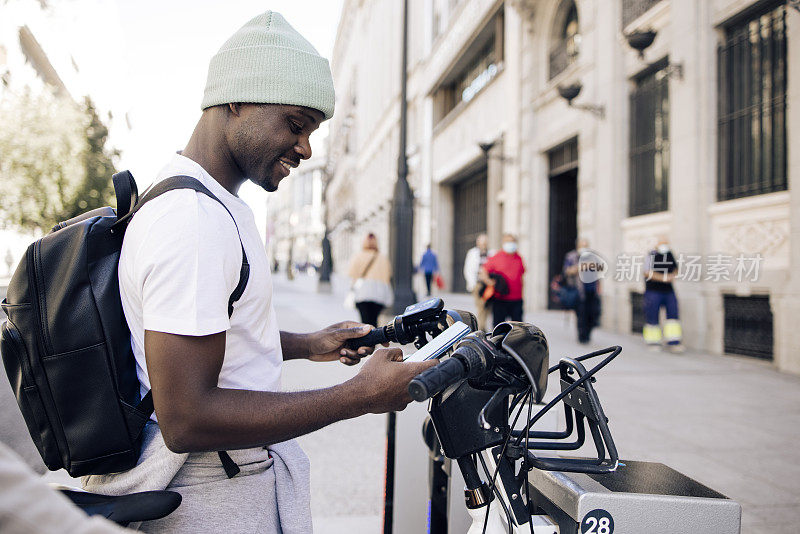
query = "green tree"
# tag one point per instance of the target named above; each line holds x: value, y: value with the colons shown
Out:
x: 53, y: 160
x: 97, y: 189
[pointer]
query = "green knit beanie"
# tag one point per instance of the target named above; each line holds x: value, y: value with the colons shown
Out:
x: 268, y: 62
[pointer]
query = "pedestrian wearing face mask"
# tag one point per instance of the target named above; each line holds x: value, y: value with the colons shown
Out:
x: 660, y: 269
x: 587, y: 307
x: 508, y: 264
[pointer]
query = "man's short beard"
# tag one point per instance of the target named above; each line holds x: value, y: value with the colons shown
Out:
x: 267, y: 184
x: 269, y: 187
x: 246, y: 160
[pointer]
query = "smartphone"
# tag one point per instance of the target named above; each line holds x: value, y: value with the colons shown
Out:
x: 439, y: 345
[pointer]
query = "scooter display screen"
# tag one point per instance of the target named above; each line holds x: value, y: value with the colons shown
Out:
x: 439, y: 345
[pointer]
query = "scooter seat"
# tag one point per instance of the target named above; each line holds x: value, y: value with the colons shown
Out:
x: 125, y: 509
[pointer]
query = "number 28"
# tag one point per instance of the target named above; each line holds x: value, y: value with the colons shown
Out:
x: 603, y: 526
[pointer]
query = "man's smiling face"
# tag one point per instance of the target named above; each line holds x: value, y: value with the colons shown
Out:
x: 268, y: 140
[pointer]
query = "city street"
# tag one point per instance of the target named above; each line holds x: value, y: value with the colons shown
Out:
x: 729, y: 422
x: 732, y: 423
x: 629, y: 160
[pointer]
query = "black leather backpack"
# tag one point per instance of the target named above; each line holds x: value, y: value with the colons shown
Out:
x: 66, y: 345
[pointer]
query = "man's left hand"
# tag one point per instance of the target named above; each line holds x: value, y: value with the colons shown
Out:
x: 327, y: 344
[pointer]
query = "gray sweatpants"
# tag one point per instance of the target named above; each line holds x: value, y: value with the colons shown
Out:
x: 212, y: 502
x: 247, y: 503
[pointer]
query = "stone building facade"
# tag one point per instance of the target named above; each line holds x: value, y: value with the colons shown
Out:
x: 689, y: 139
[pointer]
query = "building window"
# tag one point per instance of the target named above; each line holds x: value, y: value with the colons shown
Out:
x: 649, y: 165
x: 566, y: 39
x: 563, y: 158
x: 474, y: 69
x: 482, y: 70
x: 752, y: 106
x: 633, y: 9
x: 748, y: 326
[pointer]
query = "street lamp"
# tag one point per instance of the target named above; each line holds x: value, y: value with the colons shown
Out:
x: 640, y: 41
x: 401, y: 213
x: 401, y: 235
x: 570, y: 92
x: 487, y: 146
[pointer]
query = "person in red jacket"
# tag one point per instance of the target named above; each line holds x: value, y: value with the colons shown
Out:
x: 505, y: 266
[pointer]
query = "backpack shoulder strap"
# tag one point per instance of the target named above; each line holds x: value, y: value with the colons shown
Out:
x: 126, y: 192
x: 369, y: 265
x: 189, y: 182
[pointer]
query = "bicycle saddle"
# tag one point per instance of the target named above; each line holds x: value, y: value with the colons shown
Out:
x: 125, y: 509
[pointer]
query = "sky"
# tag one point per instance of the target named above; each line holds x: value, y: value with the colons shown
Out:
x: 148, y: 60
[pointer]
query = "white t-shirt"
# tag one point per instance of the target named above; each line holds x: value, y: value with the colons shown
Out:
x: 179, y: 264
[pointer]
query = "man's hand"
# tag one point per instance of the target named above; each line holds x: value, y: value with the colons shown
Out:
x: 384, y: 380
x: 327, y: 344
x: 195, y: 414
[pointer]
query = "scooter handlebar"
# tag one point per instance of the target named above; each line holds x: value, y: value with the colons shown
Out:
x: 374, y: 337
x: 436, y: 379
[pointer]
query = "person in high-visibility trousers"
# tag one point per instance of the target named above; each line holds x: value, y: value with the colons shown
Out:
x: 660, y: 270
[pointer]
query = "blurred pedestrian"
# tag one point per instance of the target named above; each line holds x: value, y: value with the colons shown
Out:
x: 429, y: 265
x: 372, y: 274
x: 587, y: 307
x: 505, y: 268
x: 660, y: 269
x: 476, y: 258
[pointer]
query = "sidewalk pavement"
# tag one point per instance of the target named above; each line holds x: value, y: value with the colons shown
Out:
x: 730, y: 422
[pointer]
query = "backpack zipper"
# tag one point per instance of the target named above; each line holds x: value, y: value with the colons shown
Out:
x: 48, y: 403
x: 34, y: 264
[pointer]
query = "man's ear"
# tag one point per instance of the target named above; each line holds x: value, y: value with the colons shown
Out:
x: 234, y: 107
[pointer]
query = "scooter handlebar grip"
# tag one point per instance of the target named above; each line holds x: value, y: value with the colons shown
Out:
x: 436, y: 379
x: 375, y: 337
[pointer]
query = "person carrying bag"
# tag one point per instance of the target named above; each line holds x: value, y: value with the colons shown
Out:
x: 371, y: 273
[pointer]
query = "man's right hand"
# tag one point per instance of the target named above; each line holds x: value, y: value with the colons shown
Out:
x: 384, y: 380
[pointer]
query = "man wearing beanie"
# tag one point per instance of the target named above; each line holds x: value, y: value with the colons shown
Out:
x: 215, y: 377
